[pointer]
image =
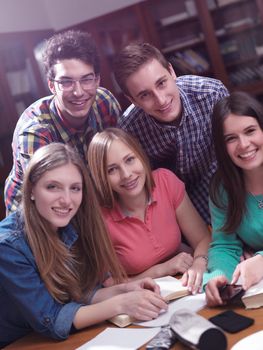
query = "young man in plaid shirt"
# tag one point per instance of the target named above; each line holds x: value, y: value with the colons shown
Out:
x: 77, y: 108
x: 171, y: 117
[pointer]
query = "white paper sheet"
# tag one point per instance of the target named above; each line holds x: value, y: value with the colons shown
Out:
x: 120, y: 339
x: 253, y: 342
x: 191, y: 302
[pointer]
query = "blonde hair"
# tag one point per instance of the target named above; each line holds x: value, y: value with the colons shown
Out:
x: 68, y: 274
x: 97, y: 160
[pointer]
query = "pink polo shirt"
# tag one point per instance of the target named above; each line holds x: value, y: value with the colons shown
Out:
x: 140, y: 245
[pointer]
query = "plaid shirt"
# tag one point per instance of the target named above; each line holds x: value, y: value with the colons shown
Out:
x: 40, y: 124
x: 187, y: 148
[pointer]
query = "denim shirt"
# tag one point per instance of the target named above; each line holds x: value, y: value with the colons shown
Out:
x: 26, y: 304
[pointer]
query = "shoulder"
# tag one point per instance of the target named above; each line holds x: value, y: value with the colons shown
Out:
x: 36, y: 116
x: 166, y: 177
x: 201, y: 85
x: 133, y: 116
x: 11, y: 229
x: 104, y: 96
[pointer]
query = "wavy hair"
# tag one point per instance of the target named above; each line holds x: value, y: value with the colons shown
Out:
x: 97, y: 160
x: 228, y: 174
x: 68, y: 274
x: 71, y: 44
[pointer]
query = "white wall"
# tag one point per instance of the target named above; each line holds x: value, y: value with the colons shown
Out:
x: 23, y: 15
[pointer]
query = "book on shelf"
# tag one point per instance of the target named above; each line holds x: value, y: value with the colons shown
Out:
x: 189, y: 62
x: 253, y: 297
x: 226, y: 2
x: 165, y: 21
x: 170, y: 287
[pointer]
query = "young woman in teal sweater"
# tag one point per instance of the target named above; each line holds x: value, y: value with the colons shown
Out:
x: 236, y: 195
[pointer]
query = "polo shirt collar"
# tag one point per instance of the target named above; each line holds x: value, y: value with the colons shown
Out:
x: 118, y: 214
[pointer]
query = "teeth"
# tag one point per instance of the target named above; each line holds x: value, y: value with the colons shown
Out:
x: 78, y: 103
x: 61, y: 211
x: 130, y: 184
x: 247, y: 154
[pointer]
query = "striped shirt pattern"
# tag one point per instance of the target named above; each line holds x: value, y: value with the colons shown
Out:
x: 40, y: 124
x: 187, y: 148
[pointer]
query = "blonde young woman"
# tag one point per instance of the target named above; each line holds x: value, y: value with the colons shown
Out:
x: 55, y: 253
x: 146, y: 212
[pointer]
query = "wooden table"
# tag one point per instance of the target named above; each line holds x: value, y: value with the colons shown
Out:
x: 37, y: 342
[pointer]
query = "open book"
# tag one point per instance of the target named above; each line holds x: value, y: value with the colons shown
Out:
x: 171, y: 288
x: 253, y: 297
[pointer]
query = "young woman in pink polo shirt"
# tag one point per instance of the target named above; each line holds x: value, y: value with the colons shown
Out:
x: 146, y: 211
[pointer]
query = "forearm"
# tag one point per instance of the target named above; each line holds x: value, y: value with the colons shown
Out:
x: 202, y: 247
x: 95, y: 313
x: 108, y: 292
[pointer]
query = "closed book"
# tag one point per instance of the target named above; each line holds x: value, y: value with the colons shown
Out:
x: 171, y: 288
x: 253, y: 297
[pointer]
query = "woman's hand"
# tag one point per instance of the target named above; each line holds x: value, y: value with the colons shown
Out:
x: 141, y: 304
x: 178, y: 264
x: 250, y: 271
x: 212, y: 291
x: 193, y: 277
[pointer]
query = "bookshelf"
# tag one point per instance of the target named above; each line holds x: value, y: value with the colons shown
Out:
x: 21, y: 83
x: 240, y: 27
x: 114, y: 31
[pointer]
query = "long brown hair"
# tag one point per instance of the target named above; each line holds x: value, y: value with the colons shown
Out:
x: 97, y: 160
x: 228, y: 174
x: 68, y: 274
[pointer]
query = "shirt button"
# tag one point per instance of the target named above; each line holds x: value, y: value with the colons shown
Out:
x: 46, y: 320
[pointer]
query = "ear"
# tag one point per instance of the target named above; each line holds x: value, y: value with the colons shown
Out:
x: 171, y: 71
x: 51, y: 86
x: 97, y: 81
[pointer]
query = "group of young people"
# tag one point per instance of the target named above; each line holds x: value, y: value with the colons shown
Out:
x: 100, y: 203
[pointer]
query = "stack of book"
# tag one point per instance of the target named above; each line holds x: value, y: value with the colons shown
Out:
x: 189, y: 62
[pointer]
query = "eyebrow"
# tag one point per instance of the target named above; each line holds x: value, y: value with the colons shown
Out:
x: 156, y: 83
x: 82, y: 77
x: 246, y: 128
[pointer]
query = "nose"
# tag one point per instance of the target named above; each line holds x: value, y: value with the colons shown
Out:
x: 125, y: 172
x: 243, y: 141
x: 159, y: 98
x: 77, y: 90
x: 65, y: 197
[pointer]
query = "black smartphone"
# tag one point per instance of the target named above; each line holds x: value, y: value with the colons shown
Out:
x: 231, y: 293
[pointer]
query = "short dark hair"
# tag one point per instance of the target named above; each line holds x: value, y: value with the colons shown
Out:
x: 71, y: 44
x: 131, y: 58
x: 228, y: 174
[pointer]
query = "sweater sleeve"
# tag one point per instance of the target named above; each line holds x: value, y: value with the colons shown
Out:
x: 225, y: 249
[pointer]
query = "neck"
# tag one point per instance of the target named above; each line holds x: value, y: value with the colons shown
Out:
x: 136, y: 206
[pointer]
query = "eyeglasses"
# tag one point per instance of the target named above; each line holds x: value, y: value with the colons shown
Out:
x: 69, y: 84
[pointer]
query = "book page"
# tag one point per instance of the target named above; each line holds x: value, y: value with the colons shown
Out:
x: 253, y: 290
x: 171, y: 287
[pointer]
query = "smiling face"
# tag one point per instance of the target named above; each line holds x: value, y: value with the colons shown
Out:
x: 74, y: 105
x: 58, y: 194
x: 153, y: 88
x: 244, y: 141
x: 125, y: 170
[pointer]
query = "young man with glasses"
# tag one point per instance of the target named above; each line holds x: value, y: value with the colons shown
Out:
x: 171, y: 117
x: 77, y: 108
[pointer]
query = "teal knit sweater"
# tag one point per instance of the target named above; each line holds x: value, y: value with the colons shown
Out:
x: 226, y: 249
